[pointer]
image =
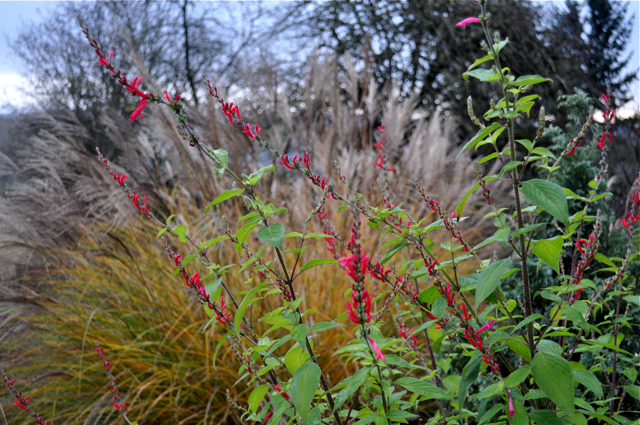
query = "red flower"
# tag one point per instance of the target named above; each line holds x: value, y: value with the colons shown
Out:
x: 352, y: 309
x: 379, y: 355
x: 19, y: 404
x: 133, y: 88
x: 138, y: 112
x: 246, y: 129
x: 464, y: 22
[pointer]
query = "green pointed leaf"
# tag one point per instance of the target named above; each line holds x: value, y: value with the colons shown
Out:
x: 248, y: 299
x: 589, y: 380
x: 482, y: 74
x: 545, y: 417
x: 527, y: 80
x: 295, y: 358
x: 227, y: 194
x: 318, y: 262
x: 273, y: 235
x: 323, y: 326
x: 256, y: 397
x: 633, y: 391
x: 423, y: 388
x: 554, y: 376
x: 303, y: 387
x: 548, y: 196
x: 464, y: 200
x: 549, y: 250
x: 469, y: 376
x: 489, y: 279
x: 480, y: 135
x: 517, y: 376
x: 519, y: 348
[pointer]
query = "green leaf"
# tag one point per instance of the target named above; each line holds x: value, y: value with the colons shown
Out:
x: 554, y: 376
x: 295, y: 358
x: 548, y: 196
x: 254, y: 178
x: 299, y: 334
x: 527, y: 80
x: 489, y: 279
x: 527, y: 229
x: 318, y: 262
x: 256, y: 397
x: 227, y: 194
x: 215, y: 353
x: 393, y: 251
x: 221, y: 157
x: 237, y: 321
x: 589, y: 380
x: 548, y: 250
x: 482, y: 74
x: 161, y: 232
x: 576, y: 317
x: 480, y: 61
x: 490, y: 413
x: 423, y: 388
x: 303, y: 387
x: 545, y: 417
x: 323, y: 326
x: 633, y: 391
x: 469, y: 376
x: 464, y: 200
x: 635, y: 299
x: 543, y: 152
x: 429, y: 295
x: 273, y: 235
x: 517, y: 376
x: 480, y: 135
x: 357, y: 379
x: 519, y: 348
x: 438, y: 307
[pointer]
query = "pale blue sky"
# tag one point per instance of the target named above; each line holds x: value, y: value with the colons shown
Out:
x: 13, y: 13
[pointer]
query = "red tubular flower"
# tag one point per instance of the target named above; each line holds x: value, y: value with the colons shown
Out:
x: 138, y: 112
x: 246, y: 129
x: 144, y: 208
x: 512, y: 409
x: 284, y: 159
x: 268, y: 416
x: 102, y: 61
x: 112, y: 383
x: 464, y: 22
x: 133, y: 88
x: 379, y: 355
x: 352, y: 309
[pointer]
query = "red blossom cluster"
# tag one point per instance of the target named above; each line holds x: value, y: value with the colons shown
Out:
x: 131, y: 194
x: 21, y: 401
x: 634, y: 199
x: 294, y: 164
x: 198, y: 288
x: 132, y: 86
x: 447, y: 221
x: 575, y: 142
x: 283, y: 393
x: 406, y: 334
x: 233, y: 113
x: 355, y: 265
x: 112, y: 382
x: 608, y: 115
x: 483, y: 184
x: 380, y: 146
x: 588, y: 250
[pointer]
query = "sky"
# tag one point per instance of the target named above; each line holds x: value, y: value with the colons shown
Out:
x: 14, y: 13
